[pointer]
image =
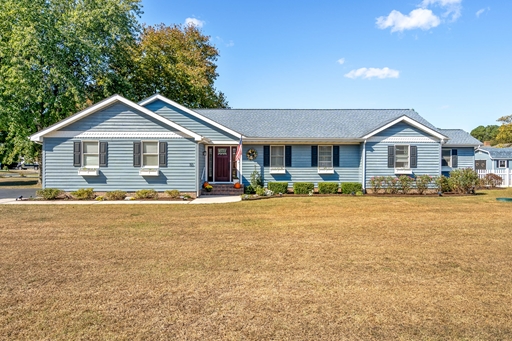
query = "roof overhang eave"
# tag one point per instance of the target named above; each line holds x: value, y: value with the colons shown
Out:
x: 260, y: 140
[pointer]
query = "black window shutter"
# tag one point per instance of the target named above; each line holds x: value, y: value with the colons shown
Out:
x: 455, y: 159
x: 103, y: 154
x: 314, y: 156
x: 136, y: 154
x: 288, y: 156
x: 335, y: 156
x: 414, y: 157
x: 391, y: 156
x: 77, y: 154
x: 266, y: 156
x: 162, y: 154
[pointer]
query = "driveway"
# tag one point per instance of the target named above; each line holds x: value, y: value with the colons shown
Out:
x: 7, y: 193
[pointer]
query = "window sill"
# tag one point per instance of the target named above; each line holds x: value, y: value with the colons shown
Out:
x: 403, y: 171
x: 149, y: 171
x: 278, y: 171
x: 326, y: 171
x: 88, y: 171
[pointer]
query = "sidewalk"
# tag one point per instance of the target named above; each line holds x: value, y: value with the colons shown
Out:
x: 211, y: 199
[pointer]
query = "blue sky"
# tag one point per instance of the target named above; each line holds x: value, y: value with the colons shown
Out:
x: 450, y: 60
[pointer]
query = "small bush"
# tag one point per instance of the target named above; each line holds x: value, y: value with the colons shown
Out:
x: 278, y: 187
x: 146, y: 194
x: 464, y: 180
x: 376, y: 183
x: 491, y: 180
x: 173, y: 193
x: 49, y: 193
x: 422, y: 183
x: 391, y: 184
x: 405, y: 182
x: 303, y: 187
x: 260, y: 191
x: 328, y: 187
x: 351, y: 187
x: 249, y: 190
x: 116, y: 195
x: 99, y: 198
x: 443, y: 184
x: 84, y: 194
x: 359, y: 193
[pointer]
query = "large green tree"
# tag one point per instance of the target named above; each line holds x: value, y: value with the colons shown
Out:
x: 505, y: 130
x: 487, y: 133
x: 56, y: 57
x: 179, y: 63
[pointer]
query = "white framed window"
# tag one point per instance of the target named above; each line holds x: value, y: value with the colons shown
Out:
x: 91, y: 154
x: 402, y: 159
x: 325, y: 163
x: 150, y: 154
x: 277, y: 160
x: 446, y: 157
x: 502, y: 163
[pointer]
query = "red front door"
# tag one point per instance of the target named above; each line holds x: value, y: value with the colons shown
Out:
x: 222, y: 169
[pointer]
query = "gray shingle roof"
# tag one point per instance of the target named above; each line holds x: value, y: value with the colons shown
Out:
x: 460, y: 137
x: 308, y: 123
x: 498, y: 153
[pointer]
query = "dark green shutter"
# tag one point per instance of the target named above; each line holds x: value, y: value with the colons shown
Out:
x: 391, y: 156
x: 414, y: 157
x: 266, y: 156
x: 335, y: 156
x: 77, y: 154
x: 455, y: 159
x: 162, y: 154
x: 103, y: 154
x: 314, y: 156
x: 288, y: 156
x: 136, y: 154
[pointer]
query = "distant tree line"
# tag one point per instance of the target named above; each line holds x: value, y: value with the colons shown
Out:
x: 495, y: 134
x: 58, y: 57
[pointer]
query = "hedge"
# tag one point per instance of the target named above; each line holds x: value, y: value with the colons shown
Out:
x: 351, y: 187
x: 278, y: 187
x: 303, y: 187
x: 328, y: 187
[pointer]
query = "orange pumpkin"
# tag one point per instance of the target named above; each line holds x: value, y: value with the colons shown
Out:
x: 237, y: 185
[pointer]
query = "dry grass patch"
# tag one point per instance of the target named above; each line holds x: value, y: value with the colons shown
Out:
x: 331, y: 268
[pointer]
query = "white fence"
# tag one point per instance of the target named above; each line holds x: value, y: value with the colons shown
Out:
x: 505, y: 174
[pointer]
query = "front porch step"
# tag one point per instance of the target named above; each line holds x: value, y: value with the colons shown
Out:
x: 224, y: 189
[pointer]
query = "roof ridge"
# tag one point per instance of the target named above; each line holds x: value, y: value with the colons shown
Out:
x: 294, y: 109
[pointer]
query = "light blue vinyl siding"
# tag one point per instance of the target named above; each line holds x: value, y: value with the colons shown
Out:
x: 429, y: 153
x: 118, y: 118
x: 465, y: 157
x: 189, y: 121
x: 301, y: 170
x: 120, y: 174
x: 490, y: 164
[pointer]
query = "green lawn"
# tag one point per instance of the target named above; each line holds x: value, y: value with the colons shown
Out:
x: 328, y: 268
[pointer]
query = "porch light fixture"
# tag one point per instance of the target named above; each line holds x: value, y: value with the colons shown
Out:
x: 204, y: 152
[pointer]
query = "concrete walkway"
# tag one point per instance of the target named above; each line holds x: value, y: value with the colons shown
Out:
x: 211, y: 199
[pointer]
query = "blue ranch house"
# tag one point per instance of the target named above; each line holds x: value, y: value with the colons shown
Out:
x: 160, y: 144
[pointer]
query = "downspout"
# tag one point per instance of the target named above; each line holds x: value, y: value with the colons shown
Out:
x: 197, y: 170
x: 364, y: 166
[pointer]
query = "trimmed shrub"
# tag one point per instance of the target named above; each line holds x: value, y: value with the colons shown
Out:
x: 260, y: 191
x: 328, y: 187
x: 249, y: 190
x: 391, y: 184
x: 422, y: 183
x: 173, y: 193
x: 303, y: 187
x: 443, y: 184
x: 146, y: 194
x: 49, y: 193
x: 116, y: 195
x: 278, y: 187
x: 351, y: 187
x: 464, y: 180
x: 84, y: 194
x: 376, y: 183
x: 405, y: 182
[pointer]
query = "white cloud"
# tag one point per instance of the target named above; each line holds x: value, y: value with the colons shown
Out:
x: 453, y: 7
x: 194, y: 22
x: 230, y: 44
x: 481, y: 11
x: 418, y: 18
x: 341, y: 61
x: 373, y: 72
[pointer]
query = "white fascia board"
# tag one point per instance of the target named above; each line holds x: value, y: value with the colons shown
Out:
x: 411, y: 122
x: 105, y: 103
x: 188, y: 111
